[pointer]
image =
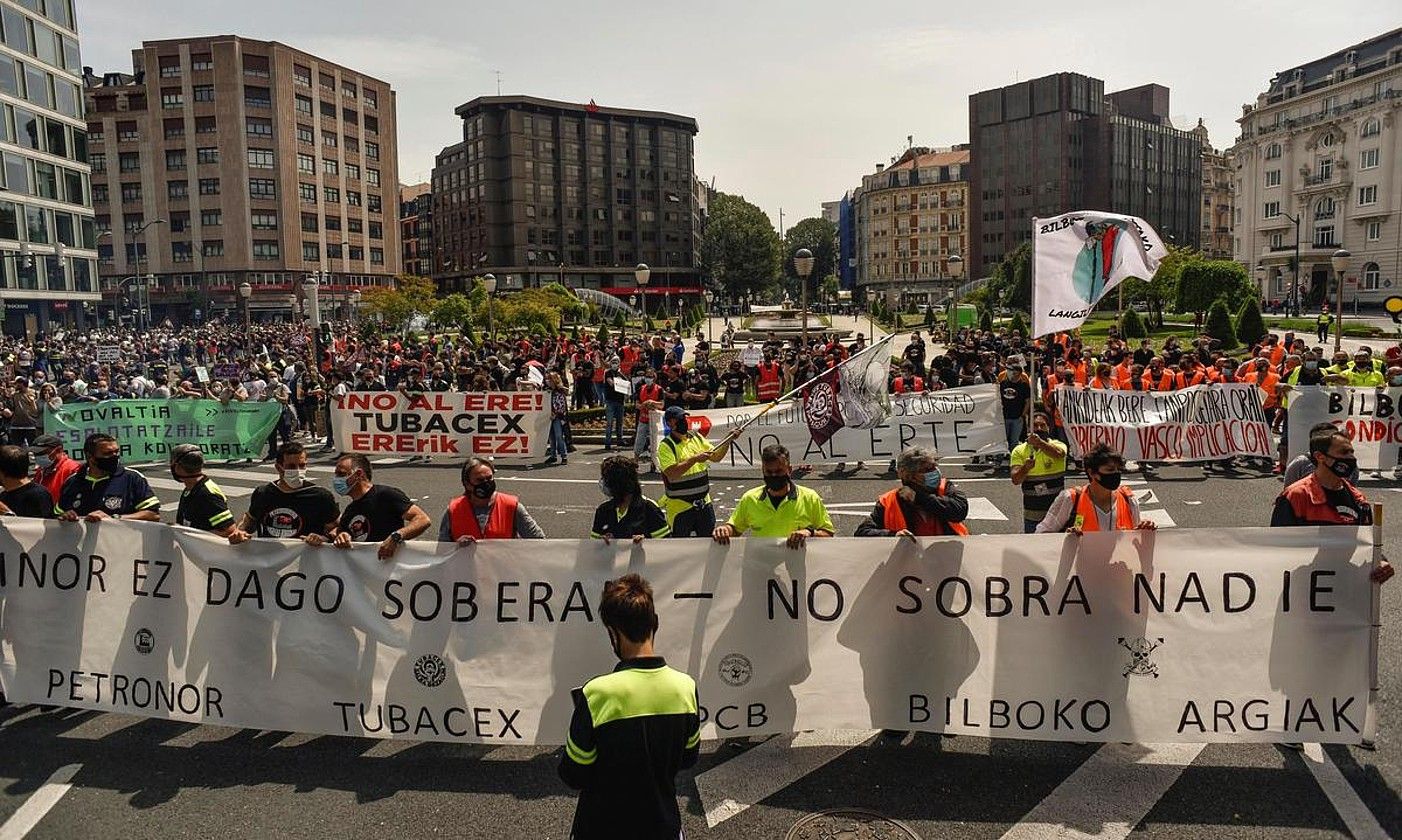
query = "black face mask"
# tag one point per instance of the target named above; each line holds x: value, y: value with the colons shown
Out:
x: 1343, y: 467
x: 1109, y: 482
x: 776, y: 482
x: 485, y: 489
x: 109, y: 464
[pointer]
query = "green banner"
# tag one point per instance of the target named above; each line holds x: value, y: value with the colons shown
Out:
x: 147, y: 429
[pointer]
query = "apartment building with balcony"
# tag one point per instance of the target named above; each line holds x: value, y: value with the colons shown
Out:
x: 222, y: 160
x: 1217, y: 199
x: 1319, y: 158
x: 911, y: 217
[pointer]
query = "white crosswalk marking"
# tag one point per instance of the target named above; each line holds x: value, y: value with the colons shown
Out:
x: 729, y: 788
x: 1360, y: 821
x: 35, y: 807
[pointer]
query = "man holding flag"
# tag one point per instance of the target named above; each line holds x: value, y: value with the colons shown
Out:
x: 682, y: 458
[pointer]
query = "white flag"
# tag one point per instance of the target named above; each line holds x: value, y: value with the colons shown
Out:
x: 1079, y: 256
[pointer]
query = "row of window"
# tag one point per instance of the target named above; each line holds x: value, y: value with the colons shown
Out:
x: 1367, y: 196
x: 27, y: 176
x: 302, y: 77
x: 39, y: 40
x: 40, y: 87
x: 332, y: 195
x: 305, y: 134
x: 42, y: 226
x: 174, y: 129
x: 311, y: 252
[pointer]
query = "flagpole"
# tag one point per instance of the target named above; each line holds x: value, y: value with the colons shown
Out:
x: 796, y: 390
x: 1034, y: 364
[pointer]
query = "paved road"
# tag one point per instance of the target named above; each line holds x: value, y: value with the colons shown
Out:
x: 138, y: 778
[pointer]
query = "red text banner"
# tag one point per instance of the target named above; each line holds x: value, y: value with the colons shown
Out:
x: 1201, y: 423
x: 510, y: 426
x: 1368, y: 415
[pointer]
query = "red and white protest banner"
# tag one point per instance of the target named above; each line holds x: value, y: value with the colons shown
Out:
x: 1367, y: 415
x: 507, y: 426
x: 1201, y: 423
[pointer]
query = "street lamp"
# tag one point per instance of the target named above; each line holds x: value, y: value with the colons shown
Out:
x: 354, y: 299
x: 956, y: 272
x: 145, y: 307
x: 245, y: 292
x: 642, y: 274
x: 803, y: 264
x: 489, y: 282
x: 710, y: 299
x: 1340, y: 263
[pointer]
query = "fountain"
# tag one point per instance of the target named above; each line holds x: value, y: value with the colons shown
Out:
x: 784, y: 321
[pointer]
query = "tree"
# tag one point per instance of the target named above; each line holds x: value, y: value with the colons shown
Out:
x: 1219, y: 324
x: 453, y: 310
x: 740, y: 249
x: 619, y: 322
x: 1133, y: 326
x: 985, y: 320
x: 1202, y: 282
x: 819, y: 236
x: 829, y: 289
x: 603, y: 335
x: 1250, y: 326
x: 1019, y: 324
x: 1012, y: 279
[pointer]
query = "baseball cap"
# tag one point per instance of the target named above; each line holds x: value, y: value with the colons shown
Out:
x: 43, y: 443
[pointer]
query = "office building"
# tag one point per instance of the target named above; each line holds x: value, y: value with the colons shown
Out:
x: 223, y: 160
x: 48, y: 239
x: 910, y: 218
x: 1059, y: 143
x: 416, y: 228
x: 1318, y: 160
x: 543, y: 191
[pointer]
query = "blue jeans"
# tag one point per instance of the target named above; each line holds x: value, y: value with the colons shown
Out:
x: 642, y: 442
x: 1012, y: 426
x: 557, y: 439
x: 1029, y: 526
x: 613, y: 424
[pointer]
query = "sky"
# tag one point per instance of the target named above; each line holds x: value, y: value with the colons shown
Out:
x: 796, y: 100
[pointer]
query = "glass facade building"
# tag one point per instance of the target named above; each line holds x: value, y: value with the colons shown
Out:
x: 48, y: 244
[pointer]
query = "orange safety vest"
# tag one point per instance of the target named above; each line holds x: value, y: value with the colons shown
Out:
x: 501, y: 522
x: 768, y: 386
x: 1085, y: 517
x: 894, y: 518
x: 1267, y: 383
x: 1165, y: 382
x: 1103, y: 384
x: 1079, y: 372
x: 1307, y: 499
x: 1183, y: 380
x: 1122, y: 375
x: 899, y: 386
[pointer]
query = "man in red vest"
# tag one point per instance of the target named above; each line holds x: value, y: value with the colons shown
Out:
x: 768, y: 379
x: 1102, y: 505
x: 1325, y: 496
x: 482, y: 513
x: 925, y: 505
x: 53, y: 466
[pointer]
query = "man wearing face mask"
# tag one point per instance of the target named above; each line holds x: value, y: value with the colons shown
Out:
x: 291, y: 507
x: 1039, y: 468
x: 203, y: 504
x: 778, y: 508
x: 377, y: 512
x: 1325, y: 496
x: 52, y: 465
x: 632, y: 730
x: 106, y: 490
x: 1102, y: 505
x: 925, y: 505
x: 482, y: 513
x: 682, y: 458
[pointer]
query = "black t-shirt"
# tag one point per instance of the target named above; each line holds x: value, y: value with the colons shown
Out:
x: 734, y: 381
x: 204, y: 506
x: 31, y: 499
x: 373, y: 516
x: 278, y: 513
x: 642, y: 517
x: 1014, y: 393
x: 1143, y: 356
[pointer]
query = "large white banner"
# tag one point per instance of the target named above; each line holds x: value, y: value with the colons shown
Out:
x: 1186, y: 635
x: 956, y: 421
x: 1081, y: 255
x: 1367, y: 415
x: 508, y: 426
x: 1201, y: 423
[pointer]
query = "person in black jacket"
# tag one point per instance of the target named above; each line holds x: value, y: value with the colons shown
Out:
x: 632, y: 729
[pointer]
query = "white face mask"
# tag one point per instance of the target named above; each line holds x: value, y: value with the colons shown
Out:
x: 294, y: 478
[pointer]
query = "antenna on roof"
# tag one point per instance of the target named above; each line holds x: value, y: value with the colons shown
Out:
x: 498, y: 72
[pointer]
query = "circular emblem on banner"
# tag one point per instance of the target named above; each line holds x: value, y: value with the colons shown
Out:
x: 430, y: 670
x: 735, y: 669
x: 144, y: 641
x: 818, y: 404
